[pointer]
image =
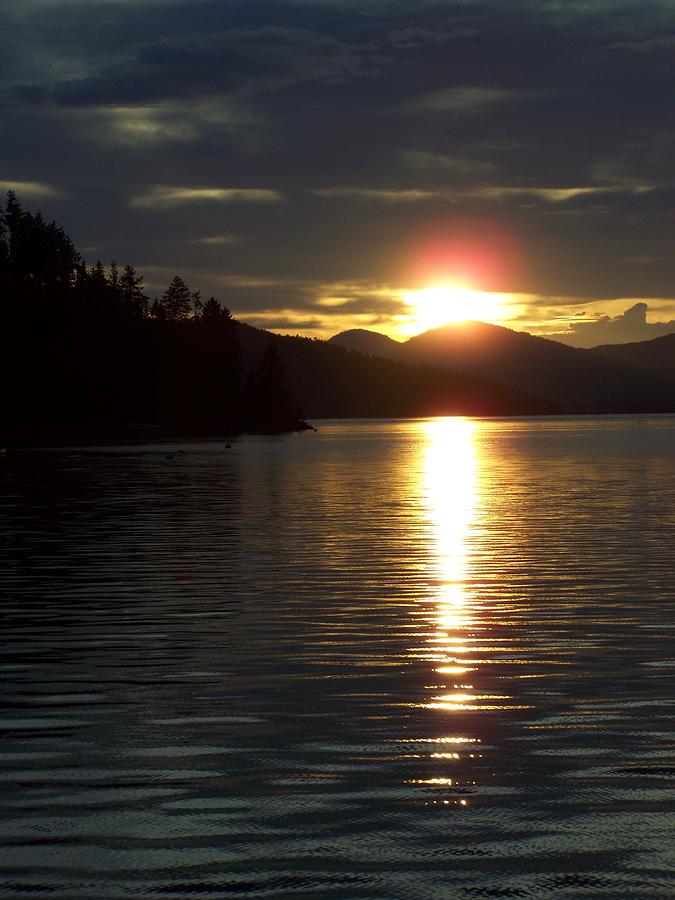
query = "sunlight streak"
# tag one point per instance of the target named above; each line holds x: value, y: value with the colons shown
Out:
x: 450, y: 500
x: 450, y: 496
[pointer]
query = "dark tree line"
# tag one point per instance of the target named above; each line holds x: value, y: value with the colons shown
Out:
x: 85, y: 350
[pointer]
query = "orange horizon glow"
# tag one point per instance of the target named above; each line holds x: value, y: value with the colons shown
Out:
x: 420, y: 309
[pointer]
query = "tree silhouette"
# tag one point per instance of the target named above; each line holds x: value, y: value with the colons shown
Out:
x: 98, y: 277
x: 267, y: 402
x: 196, y: 299
x: 4, y: 252
x: 177, y: 300
x: 39, y: 257
x: 216, y: 365
x: 157, y: 310
x: 132, y: 293
x: 211, y: 313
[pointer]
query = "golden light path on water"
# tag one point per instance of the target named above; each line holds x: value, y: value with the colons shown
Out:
x: 450, y: 500
x: 452, y: 614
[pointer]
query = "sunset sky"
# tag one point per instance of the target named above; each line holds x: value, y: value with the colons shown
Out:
x: 325, y: 164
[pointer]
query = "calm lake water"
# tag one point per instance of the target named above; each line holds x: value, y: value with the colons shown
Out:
x: 428, y: 658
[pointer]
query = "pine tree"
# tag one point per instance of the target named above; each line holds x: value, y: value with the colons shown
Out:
x: 157, y: 310
x: 211, y: 312
x: 98, y: 277
x: 267, y: 402
x: 177, y: 300
x: 218, y: 348
x: 4, y: 256
x: 132, y: 293
x: 196, y: 298
x: 13, y: 218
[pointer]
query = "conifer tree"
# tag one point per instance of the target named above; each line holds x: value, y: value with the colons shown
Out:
x: 197, y: 304
x: 157, y: 310
x: 216, y: 335
x: 98, y: 276
x: 268, y: 404
x: 13, y: 218
x: 4, y: 252
x: 131, y: 291
x: 177, y: 300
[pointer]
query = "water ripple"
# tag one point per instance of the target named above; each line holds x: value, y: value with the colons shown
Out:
x: 410, y: 659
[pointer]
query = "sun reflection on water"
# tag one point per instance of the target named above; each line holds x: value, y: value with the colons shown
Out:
x: 450, y: 618
x: 450, y: 499
x: 457, y: 624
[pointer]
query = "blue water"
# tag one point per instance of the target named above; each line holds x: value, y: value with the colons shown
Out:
x: 425, y: 658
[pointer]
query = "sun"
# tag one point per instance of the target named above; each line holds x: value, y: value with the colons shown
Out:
x: 441, y: 304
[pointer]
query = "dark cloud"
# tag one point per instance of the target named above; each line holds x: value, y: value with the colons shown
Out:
x: 328, y: 136
x: 242, y: 60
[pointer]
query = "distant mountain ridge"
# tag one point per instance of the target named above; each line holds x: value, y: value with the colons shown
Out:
x: 656, y: 356
x: 370, y: 342
x: 617, y: 378
x: 330, y: 381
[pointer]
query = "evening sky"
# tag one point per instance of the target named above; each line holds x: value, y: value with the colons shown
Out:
x: 312, y: 162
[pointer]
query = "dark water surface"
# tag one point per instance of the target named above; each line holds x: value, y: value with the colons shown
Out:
x: 390, y: 659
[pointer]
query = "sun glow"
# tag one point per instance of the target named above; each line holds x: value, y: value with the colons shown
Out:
x: 434, y: 306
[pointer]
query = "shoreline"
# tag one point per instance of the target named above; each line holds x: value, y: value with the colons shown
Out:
x: 93, y: 437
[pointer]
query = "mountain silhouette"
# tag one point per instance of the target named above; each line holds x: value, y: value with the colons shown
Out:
x: 372, y: 343
x: 575, y: 380
x: 329, y: 381
x: 655, y: 357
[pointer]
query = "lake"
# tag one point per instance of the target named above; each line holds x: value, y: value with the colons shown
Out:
x: 422, y: 658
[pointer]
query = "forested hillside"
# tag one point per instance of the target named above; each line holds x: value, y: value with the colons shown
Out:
x: 84, y: 353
